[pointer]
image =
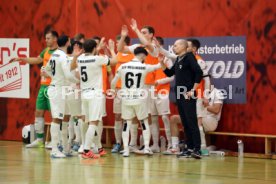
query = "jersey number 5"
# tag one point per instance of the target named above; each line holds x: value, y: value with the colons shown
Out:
x: 130, y: 77
x: 84, y: 76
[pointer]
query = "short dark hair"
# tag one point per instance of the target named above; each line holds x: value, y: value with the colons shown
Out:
x: 195, y: 42
x: 62, y: 40
x: 140, y: 50
x: 53, y: 33
x: 150, y: 29
x: 89, y: 45
x: 73, y: 43
x: 160, y: 40
x: 127, y: 39
x: 79, y: 36
x: 96, y: 38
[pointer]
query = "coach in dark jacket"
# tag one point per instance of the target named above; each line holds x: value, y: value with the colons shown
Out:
x: 187, y: 77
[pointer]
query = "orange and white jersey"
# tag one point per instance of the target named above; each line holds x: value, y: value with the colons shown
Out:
x: 91, y: 71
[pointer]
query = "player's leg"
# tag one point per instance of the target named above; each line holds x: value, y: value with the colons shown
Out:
x: 200, y: 115
x: 163, y: 108
x: 128, y: 114
x: 117, y: 124
x: 58, y: 109
x: 42, y: 104
x: 141, y: 112
x: 154, y: 127
x: 174, y: 149
x: 133, y: 134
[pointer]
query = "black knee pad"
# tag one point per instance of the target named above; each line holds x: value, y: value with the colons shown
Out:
x: 125, y: 126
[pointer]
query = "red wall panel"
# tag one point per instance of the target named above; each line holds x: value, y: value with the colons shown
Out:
x: 176, y: 18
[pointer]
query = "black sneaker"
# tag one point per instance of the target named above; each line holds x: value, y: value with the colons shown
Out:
x: 196, y: 154
x: 185, y: 154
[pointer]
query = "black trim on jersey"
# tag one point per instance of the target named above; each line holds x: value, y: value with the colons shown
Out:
x: 108, y: 62
x: 206, y: 76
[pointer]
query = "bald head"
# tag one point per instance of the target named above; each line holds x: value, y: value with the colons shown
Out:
x: 180, y: 46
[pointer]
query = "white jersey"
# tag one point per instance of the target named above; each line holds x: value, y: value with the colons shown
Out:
x: 216, y: 97
x: 133, y: 75
x: 91, y: 75
x: 58, y: 68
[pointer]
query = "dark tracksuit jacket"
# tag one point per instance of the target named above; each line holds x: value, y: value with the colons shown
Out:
x: 187, y: 72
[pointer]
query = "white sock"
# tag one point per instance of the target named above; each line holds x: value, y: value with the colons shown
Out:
x: 118, y: 131
x: 77, y: 131
x: 64, y: 136
x: 55, y: 128
x: 39, y: 128
x: 166, y: 122
x: 133, y: 134
x: 202, y: 137
x: 146, y: 132
x: 83, y: 128
x: 125, y: 134
x: 175, y: 141
x: 154, y: 128
x: 99, y: 134
x: 71, y: 129
x: 89, y: 136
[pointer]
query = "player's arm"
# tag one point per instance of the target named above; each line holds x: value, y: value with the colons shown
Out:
x: 115, y: 79
x: 111, y: 48
x: 168, y: 68
x: 121, y: 46
x: 215, y: 108
x: 164, y: 80
x: 151, y: 68
x: 167, y: 53
x: 69, y: 74
x: 141, y: 37
x: 31, y: 60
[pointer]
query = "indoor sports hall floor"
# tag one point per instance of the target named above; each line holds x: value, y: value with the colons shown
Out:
x: 21, y: 165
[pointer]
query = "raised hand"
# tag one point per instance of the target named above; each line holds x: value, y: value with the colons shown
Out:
x: 77, y: 52
x: 111, y: 45
x: 14, y: 60
x: 124, y: 31
x: 133, y: 24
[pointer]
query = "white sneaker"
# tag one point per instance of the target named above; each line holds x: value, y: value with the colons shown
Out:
x: 81, y: 149
x: 122, y: 151
x: 57, y: 154
x: 70, y: 153
x: 48, y: 145
x: 36, y: 144
x: 132, y: 149
x: 147, y: 151
x: 171, y: 151
x: 155, y: 149
x: 126, y: 153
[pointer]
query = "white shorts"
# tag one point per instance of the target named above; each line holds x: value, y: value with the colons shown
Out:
x: 117, y: 105
x: 57, y: 101
x: 200, y: 109
x: 149, y: 99
x: 73, y: 103
x: 160, y: 106
x: 131, y: 111
x: 209, y: 124
x: 92, y: 107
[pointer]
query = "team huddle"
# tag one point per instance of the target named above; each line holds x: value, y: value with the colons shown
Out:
x: 75, y: 77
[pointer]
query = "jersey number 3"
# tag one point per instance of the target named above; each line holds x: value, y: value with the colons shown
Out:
x: 129, y: 79
x: 53, y: 66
